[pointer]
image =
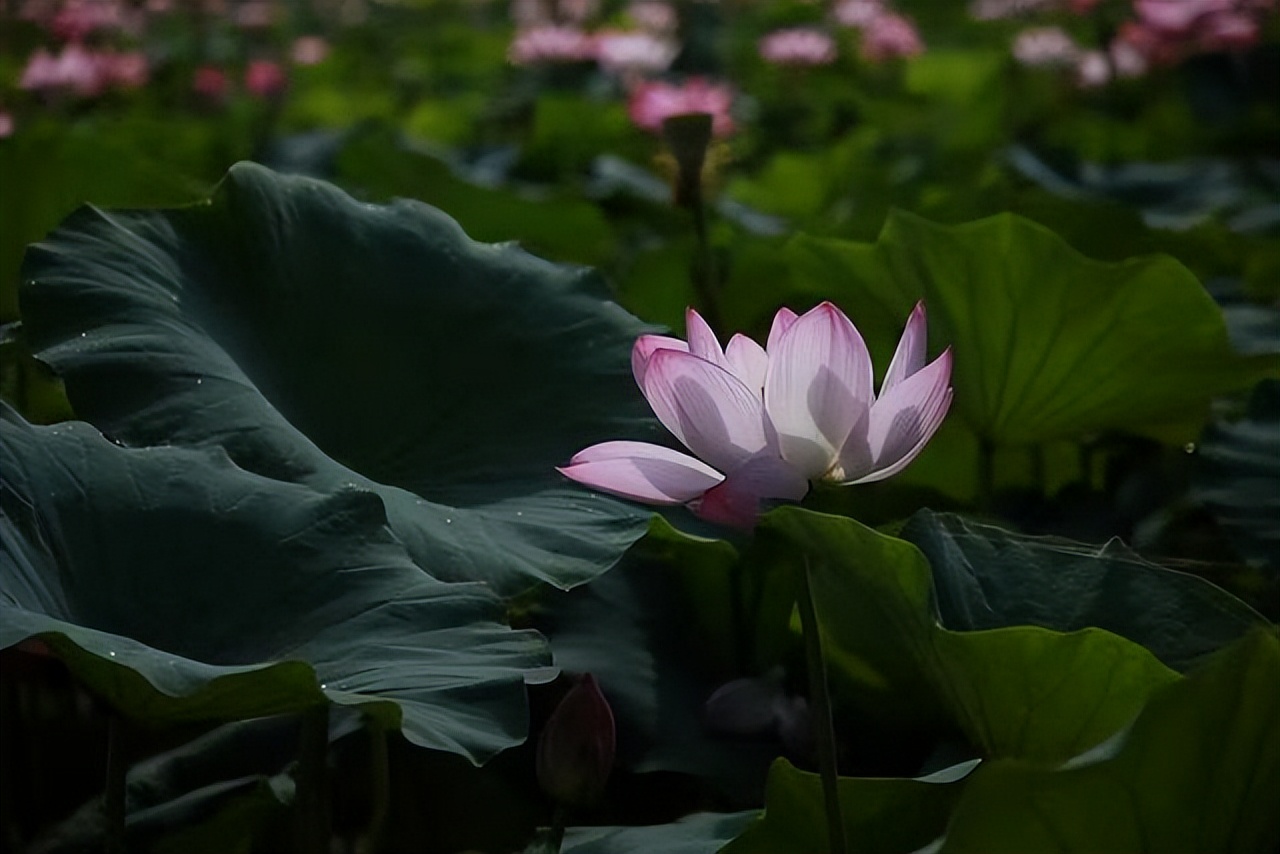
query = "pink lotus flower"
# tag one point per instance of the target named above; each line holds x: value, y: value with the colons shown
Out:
x: 857, y: 13
x: 653, y: 102
x: 798, y: 46
x: 655, y: 16
x: 1045, y: 46
x: 889, y: 36
x: 764, y: 422
x: 634, y: 52
x: 264, y: 78
x: 125, y: 70
x: 550, y: 43
x: 309, y: 50
x: 211, y: 82
x: 77, y: 69
x: 6, y: 124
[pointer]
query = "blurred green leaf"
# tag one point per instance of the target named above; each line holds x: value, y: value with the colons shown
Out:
x: 1199, y: 770
x: 888, y: 816
x: 326, y: 342
x: 700, y: 833
x: 1048, y: 344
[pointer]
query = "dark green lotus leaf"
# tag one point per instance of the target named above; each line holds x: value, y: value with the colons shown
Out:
x: 327, y: 342
x: 1237, y: 476
x: 179, y: 587
x: 885, y: 815
x: 1199, y: 770
x: 700, y: 833
x: 1020, y: 691
x: 985, y: 577
x: 1048, y: 344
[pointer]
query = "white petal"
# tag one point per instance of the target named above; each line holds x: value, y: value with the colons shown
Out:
x: 748, y: 361
x: 781, y: 323
x: 818, y: 388
x: 645, y: 347
x: 706, y: 407
x: 643, y: 472
x: 910, y: 355
x: 904, y: 419
x: 702, y: 339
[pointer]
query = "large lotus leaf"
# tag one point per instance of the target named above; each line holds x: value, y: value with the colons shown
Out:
x: 1199, y: 770
x: 885, y: 815
x: 328, y: 342
x: 985, y: 577
x: 180, y: 587
x: 1048, y: 343
x: 1021, y: 691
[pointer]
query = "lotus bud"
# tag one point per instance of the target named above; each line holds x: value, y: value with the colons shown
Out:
x: 576, y: 748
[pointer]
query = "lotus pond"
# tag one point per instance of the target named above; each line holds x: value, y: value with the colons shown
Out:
x: 622, y: 427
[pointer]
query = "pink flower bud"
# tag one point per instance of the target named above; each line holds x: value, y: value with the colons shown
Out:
x: 576, y: 748
x: 264, y: 78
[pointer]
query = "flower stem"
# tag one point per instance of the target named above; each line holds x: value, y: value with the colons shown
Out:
x: 824, y: 733
x: 311, y: 802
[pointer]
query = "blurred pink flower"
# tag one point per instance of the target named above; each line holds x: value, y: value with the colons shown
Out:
x: 1179, y: 16
x: 577, y: 11
x: 254, y: 14
x: 889, y: 36
x: 264, y: 78
x: 655, y: 16
x: 6, y: 124
x: 798, y: 46
x: 765, y: 421
x: 309, y: 50
x: 635, y: 51
x: 1093, y: 69
x: 549, y: 43
x: 76, y: 69
x: 210, y: 81
x: 1045, y: 46
x: 654, y: 101
x: 858, y: 13
x: 124, y: 70
x: 78, y: 18
x: 995, y: 10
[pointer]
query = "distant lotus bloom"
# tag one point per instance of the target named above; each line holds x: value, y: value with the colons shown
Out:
x: 765, y: 421
x: 1127, y: 59
x: 890, y: 36
x: 125, y: 70
x: 254, y: 15
x: 1179, y: 16
x: 994, y: 10
x: 655, y: 16
x: 264, y: 78
x: 577, y: 11
x: 78, y: 18
x: 211, y: 82
x: 857, y: 13
x: 798, y: 46
x: 76, y: 69
x: 577, y: 745
x: 547, y: 44
x: 652, y: 102
x: 6, y: 124
x: 1045, y: 46
x: 634, y: 52
x: 1093, y: 70
x: 309, y: 50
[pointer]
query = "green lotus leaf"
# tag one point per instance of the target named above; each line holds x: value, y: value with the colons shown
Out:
x: 1199, y: 770
x: 985, y: 577
x: 326, y: 342
x: 179, y: 587
x: 1018, y: 691
x: 1048, y: 344
x: 889, y: 815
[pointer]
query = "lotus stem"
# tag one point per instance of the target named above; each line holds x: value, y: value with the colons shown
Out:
x: 824, y: 733
x: 113, y: 798
x: 311, y: 803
